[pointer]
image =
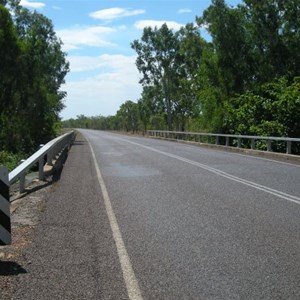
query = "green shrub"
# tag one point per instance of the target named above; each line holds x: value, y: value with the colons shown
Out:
x: 10, y: 160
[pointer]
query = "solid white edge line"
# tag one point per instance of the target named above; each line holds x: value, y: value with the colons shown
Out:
x: 131, y: 282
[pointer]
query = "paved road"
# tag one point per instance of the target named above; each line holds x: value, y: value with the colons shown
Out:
x: 161, y: 220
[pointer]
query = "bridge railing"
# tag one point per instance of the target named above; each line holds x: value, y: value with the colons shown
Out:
x: 51, y: 150
x: 225, y: 139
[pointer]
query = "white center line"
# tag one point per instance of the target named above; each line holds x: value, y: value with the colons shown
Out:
x: 131, y: 282
x: 257, y: 186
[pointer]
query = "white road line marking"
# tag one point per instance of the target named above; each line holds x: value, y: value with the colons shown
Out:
x: 131, y: 282
x: 257, y: 186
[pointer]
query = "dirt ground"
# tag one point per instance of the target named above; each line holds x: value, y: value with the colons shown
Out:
x: 26, y: 211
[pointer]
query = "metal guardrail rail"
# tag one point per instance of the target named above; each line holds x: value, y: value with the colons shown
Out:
x: 51, y: 150
x: 198, y: 137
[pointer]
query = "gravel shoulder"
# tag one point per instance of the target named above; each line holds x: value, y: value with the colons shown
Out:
x: 26, y: 212
x: 62, y: 243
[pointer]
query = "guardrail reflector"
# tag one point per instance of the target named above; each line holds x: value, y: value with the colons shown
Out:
x: 5, y: 225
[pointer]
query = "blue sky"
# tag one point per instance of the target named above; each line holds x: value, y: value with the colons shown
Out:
x: 97, y: 36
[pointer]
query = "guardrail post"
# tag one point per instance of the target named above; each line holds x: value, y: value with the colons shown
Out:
x: 288, y: 147
x: 49, y: 157
x: 5, y: 225
x: 253, y: 144
x: 269, y: 145
x: 41, y: 166
x: 217, y: 140
x: 227, y: 141
x: 239, y: 142
x: 22, y: 183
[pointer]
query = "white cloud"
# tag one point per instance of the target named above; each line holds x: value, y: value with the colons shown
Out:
x: 102, y: 94
x: 152, y: 23
x: 76, y: 37
x: 83, y: 63
x: 30, y: 4
x: 184, y: 11
x: 114, y: 13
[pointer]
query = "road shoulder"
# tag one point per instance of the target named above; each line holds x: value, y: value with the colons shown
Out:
x: 69, y: 252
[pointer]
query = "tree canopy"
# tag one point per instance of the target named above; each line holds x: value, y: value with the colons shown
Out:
x: 245, y: 79
x: 32, y: 70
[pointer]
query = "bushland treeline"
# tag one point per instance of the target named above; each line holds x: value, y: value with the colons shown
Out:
x: 32, y: 69
x: 244, y: 81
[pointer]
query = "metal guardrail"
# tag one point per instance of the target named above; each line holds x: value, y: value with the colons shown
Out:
x: 198, y: 137
x: 51, y: 150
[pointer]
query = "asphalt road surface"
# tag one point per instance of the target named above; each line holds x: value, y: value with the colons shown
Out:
x: 138, y: 218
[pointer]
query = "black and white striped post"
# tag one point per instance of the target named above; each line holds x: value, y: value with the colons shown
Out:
x: 5, y: 227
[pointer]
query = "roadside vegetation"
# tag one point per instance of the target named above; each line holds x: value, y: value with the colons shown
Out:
x: 244, y: 81
x: 32, y: 69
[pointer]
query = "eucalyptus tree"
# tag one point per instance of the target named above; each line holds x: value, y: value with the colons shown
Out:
x: 191, y: 47
x: 145, y: 107
x: 291, y: 35
x: 128, y: 116
x: 256, y: 57
x: 151, y: 105
x: 226, y: 62
x: 44, y: 60
x: 228, y: 28
x: 275, y: 37
x: 9, y: 54
x: 40, y: 69
x: 255, y: 42
x: 157, y: 61
x: 9, y: 69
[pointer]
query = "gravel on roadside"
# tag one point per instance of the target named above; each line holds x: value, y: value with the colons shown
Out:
x: 26, y: 211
